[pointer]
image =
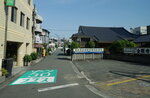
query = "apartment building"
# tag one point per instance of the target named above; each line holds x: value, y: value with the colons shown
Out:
x: 19, y: 33
x: 38, y: 20
x: 45, y: 36
x: 142, y: 30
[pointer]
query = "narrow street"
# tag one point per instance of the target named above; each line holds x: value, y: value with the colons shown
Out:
x: 67, y: 85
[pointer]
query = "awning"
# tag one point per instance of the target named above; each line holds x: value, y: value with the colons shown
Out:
x: 38, y: 46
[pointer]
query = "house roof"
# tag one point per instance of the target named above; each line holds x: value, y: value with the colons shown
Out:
x: 143, y: 38
x: 105, y: 34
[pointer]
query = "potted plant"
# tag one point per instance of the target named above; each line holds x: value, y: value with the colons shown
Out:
x: 34, y: 55
x: 3, y: 75
x: 27, y: 59
x: 4, y: 72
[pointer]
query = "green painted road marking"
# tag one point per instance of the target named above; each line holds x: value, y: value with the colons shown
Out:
x: 36, y: 77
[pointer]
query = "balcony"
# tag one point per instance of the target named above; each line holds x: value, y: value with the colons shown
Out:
x: 38, y: 39
x: 38, y: 18
x: 38, y: 28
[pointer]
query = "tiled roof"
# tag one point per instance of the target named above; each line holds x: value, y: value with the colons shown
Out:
x: 105, y: 34
x: 143, y: 38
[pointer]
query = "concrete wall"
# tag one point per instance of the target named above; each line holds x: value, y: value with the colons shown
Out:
x: 17, y: 33
x: 131, y: 58
x: 86, y: 56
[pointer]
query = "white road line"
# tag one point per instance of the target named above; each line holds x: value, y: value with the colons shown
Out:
x: 57, y: 87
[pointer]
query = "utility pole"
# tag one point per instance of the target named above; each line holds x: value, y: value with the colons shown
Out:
x: 33, y: 32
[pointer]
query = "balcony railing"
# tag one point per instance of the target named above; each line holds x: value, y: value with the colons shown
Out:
x: 38, y: 18
x: 38, y: 28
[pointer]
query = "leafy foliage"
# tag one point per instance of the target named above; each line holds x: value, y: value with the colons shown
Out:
x: 90, y: 44
x: 34, y: 55
x: 4, y: 72
x: 74, y: 45
x: 118, y: 46
x: 27, y: 58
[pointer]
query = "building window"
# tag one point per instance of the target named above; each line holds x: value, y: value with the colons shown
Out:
x: 22, y: 16
x: 14, y: 14
x: 85, y: 39
x: 29, y: 2
x: 28, y: 23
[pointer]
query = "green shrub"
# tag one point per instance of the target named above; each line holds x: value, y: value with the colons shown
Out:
x: 90, y: 44
x: 40, y: 53
x: 118, y: 46
x: 34, y: 55
x: 74, y: 45
x: 4, y: 72
x: 49, y: 49
x: 27, y: 58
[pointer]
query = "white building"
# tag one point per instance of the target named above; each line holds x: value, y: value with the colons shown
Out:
x: 142, y: 30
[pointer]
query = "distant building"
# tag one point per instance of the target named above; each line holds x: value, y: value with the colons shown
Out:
x: 143, y: 41
x: 143, y: 30
x: 37, y: 31
x: 102, y: 36
x: 45, y: 36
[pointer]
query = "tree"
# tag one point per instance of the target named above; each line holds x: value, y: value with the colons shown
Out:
x: 118, y: 46
x: 74, y: 45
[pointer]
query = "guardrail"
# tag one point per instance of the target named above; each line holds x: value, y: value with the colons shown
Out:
x: 87, y: 53
x: 137, y: 50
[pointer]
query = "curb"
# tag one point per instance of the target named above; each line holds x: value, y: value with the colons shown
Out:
x: 90, y: 85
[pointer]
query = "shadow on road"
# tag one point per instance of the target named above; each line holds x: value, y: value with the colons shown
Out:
x: 137, y: 76
x: 61, y: 54
x: 64, y: 59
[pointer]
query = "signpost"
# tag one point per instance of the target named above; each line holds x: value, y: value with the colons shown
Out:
x: 36, y: 77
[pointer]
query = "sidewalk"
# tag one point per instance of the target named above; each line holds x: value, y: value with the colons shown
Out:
x: 17, y: 69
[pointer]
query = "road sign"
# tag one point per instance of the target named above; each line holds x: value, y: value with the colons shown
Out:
x: 10, y: 2
x: 36, y: 77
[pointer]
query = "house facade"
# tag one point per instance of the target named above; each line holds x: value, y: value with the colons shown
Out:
x: 102, y: 36
x: 19, y: 30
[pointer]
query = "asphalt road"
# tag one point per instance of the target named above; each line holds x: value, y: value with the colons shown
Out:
x: 117, y: 79
x: 65, y: 76
x: 106, y: 70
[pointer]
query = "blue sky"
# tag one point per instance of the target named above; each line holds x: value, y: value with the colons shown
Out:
x: 63, y: 17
